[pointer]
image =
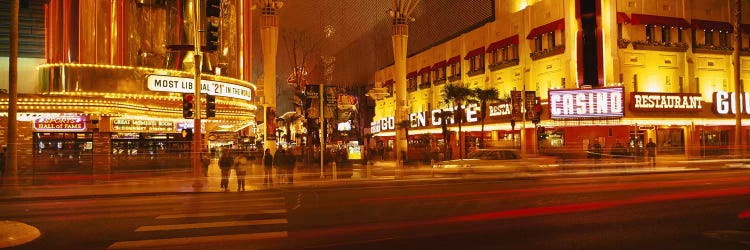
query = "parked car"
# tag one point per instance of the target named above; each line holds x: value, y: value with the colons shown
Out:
x: 492, y: 161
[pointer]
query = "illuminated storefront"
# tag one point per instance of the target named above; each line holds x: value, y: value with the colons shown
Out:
x: 109, y: 97
x: 640, y: 76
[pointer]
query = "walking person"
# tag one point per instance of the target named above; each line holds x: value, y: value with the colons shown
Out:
x: 205, y: 162
x: 291, y: 161
x: 225, y: 164
x: 267, y: 167
x: 280, y: 164
x: 241, y: 161
x: 651, y: 152
x: 2, y: 162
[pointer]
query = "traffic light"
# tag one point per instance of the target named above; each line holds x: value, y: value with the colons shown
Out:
x: 210, y: 106
x: 212, y: 36
x: 213, y: 8
x: 188, y: 105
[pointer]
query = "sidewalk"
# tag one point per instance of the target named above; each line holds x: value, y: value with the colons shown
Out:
x: 378, y: 171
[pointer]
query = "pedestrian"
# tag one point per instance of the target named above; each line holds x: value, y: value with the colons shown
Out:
x: 2, y: 161
x: 225, y: 164
x: 290, y: 162
x: 267, y: 167
x: 280, y: 164
x: 205, y: 161
x: 241, y: 162
x: 651, y: 152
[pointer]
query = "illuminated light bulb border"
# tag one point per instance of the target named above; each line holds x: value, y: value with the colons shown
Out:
x: 145, y: 69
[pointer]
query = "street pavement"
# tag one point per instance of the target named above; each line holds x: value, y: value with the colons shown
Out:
x: 378, y: 171
x: 170, y: 183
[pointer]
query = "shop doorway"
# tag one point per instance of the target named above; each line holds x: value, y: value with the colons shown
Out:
x: 670, y: 141
x: 636, y: 143
x: 63, y: 153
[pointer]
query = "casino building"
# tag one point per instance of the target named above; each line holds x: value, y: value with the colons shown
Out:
x: 101, y: 83
x: 573, y: 71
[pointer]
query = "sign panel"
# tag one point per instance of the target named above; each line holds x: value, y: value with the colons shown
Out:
x: 669, y: 102
x: 134, y: 125
x: 586, y: 103
x: 517, y: 105
x: 500, y: 109
x: 330, y: 97
x: 530, y: 104
x: 60, y: 124
x: 185, y: 85
x: 270, y: 124
x: 724, y: 103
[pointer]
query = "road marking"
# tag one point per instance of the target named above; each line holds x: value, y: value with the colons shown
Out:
x: 196, y: 240
x: 744, y: 215
x: 211, y: 224
x: 195, y: 215
x: 238, y: 201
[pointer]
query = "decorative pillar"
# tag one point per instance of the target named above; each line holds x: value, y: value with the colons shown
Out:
x: 269, y: 36
x: 400, y: 14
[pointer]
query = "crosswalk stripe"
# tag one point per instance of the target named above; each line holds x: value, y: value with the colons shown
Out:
x: 196, y: 240
x: 195, y: 215
x: 211, y: 224
x: 240, y: 200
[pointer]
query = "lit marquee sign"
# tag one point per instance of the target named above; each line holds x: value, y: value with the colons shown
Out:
x: 61, y: 123
x: 586, y: 103
x: 724, y: 103
x: 501, y: 109
x: 185, y: 85
x: 136, y: 125
x: 643, y: 101
x: 420, y: 119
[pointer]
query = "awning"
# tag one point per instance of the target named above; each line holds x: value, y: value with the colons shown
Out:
x: 622, y: 17
x: 388, y: 83
x: 712, y: 25
x: 424, y: 70
x: 556, y: 25
x: 474, y: 52
x: 502, y: 43
x: 411, y: 75
x: 440, y: 64
x: 453, y: 60
x: 659, y: 20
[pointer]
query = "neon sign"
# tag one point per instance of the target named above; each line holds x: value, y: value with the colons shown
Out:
x: 724, y: 103
x: 586, y: 103
x: 642, y: 101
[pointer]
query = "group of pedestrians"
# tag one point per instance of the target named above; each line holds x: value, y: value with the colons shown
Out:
x: 283, y: 162
x: 237, y: 161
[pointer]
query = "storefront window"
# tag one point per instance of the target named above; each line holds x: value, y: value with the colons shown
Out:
x: 136, y: 151
x: 63, y: 152
x: 670, y: 141
x: 714, y: 142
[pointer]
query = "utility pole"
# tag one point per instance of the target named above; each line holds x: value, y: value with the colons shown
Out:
x: 197, y: 134
x: 738, y: 90
x: 11, y: 156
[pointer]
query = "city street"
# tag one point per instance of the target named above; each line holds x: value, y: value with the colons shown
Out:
x: 688, y: 210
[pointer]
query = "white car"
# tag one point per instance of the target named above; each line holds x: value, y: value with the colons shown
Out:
x: 490, y: 161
